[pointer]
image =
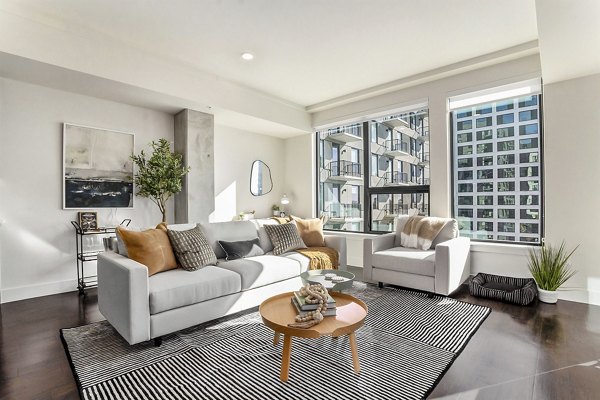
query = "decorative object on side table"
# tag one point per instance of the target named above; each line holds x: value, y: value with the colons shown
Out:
x: 315, y: 294
x: 275, y: 209
x: 343, y: 279
x: 550, y: 269
x: 160, y: 176
x: 88, y: 220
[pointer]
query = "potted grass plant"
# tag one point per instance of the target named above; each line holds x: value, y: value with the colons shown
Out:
x: 550, y: 268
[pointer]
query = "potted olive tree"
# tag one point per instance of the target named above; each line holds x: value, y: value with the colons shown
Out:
x: 550, y: 269
x: 160, y: 176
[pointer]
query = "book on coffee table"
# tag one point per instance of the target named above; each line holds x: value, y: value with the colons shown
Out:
x: 330, y: 312
x: 304, y: 306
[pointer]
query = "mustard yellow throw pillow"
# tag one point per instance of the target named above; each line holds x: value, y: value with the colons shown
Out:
x: 151, y: 248
x: 311, y: 231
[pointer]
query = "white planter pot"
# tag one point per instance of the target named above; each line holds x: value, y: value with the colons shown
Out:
x: 548, y: 296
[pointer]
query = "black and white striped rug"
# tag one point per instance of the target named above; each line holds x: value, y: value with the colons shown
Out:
x: 407, y: 344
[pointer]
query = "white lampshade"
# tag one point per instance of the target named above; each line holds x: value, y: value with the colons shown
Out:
x: 285, y: 200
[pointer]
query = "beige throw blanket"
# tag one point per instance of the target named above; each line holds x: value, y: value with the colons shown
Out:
x: 419, y: 232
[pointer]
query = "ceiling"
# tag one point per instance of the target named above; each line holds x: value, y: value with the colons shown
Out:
x: 310, y: 51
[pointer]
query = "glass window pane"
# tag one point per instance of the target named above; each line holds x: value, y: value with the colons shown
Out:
x: 483, y: 122
x: 530, y: 129
x: 485, y: 161
x: 528, y: 101
x: 505, y: 132
x: 465, y: 162
x: 527, y: 115
x: 484, y: 135
x: 505, y: 119
x: 464, y: 125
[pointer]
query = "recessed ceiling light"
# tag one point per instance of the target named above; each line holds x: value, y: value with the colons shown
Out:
x: 247, y: 56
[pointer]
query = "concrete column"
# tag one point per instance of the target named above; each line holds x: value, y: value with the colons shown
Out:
x: 194, y: 138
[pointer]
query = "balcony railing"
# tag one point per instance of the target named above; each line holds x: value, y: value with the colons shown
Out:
x: 395, y: 178
x: 345, y: 169
x: 397, y: 145
x: 344, y: 211
x: 354, y: 130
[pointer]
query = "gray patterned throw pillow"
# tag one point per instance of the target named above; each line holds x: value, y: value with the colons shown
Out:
x: 284, y: 237
x: 192, y: 249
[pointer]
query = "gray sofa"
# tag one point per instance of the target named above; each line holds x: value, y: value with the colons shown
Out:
x: 141, y: 308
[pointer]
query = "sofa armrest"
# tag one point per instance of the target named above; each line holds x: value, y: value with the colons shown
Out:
x: 452, y: 264
x: 338, y: 243
x: 372, y: 245
x: 123, y: 296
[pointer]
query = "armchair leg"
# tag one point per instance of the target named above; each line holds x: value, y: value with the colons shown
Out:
x: 430, y: 295
x: 380, y: 285
x: 158, y: 341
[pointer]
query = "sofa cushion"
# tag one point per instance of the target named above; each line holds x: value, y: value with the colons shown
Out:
x: 150, y: 247
x: 311, y: 231
x: 401, y: 259
x: 449, y: 231
x: 263, y: 237
x: 231, y: 231
x: 241, y: 249
x: 262, y: 270
x: 191, y: 248
x: 179, y: 288
x: 300, y: 258
x: 284, y: 237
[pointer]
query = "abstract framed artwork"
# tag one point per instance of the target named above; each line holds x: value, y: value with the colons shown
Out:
x: 97, y: 168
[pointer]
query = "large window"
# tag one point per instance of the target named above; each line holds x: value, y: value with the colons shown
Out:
x: 496, y: 170
x: 374, y: 170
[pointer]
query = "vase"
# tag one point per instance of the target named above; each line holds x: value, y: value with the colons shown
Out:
x: 548, y: 296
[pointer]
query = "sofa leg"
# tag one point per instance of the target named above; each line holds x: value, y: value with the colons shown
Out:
x: 157, y: 341
x: 380, y: 285
x: 430, y: 295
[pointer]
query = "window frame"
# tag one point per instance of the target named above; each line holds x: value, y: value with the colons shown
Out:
x: 541, y: 177
x: 367, y: 191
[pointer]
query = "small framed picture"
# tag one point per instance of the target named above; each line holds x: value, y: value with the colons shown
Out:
x: 88, y: 220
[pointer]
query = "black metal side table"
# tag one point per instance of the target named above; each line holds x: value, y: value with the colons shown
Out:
x: 83, y: 256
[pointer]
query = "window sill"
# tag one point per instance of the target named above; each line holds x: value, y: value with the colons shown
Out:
x: 501, y: 248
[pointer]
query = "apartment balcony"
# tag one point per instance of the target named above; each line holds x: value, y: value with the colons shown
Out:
x: 416, y: 132
x: 344, y: 171
x: 396, y: 178
x: 399, y: 149
x: 346, y: 134
x: 424, y: 161
x: 341, y: 213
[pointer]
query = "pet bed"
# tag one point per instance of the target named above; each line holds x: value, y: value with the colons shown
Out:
x: 504, y: 288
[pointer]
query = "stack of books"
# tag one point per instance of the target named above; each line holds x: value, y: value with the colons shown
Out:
x: 302, y: 306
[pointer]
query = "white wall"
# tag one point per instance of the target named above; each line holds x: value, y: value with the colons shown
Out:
x: 572, y: 169
x: 299, y: 174
x: 235, y: 151
x: 38, y: 244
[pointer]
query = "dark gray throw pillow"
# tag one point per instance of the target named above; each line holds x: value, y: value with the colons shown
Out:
x: 191, y: 249
x: 241, y: 249
x: 284, y: 237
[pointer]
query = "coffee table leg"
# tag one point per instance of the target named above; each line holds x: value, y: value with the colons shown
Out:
x: 276, y: 339
x: 352, y: 338
x: 285, y: 359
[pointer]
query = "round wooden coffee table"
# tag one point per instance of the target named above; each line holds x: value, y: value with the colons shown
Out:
x: 277, y: 312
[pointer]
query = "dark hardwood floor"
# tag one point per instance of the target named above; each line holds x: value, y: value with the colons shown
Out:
x: 537, y: 352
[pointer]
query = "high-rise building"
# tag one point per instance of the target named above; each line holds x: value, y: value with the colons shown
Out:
x: 496, y: 170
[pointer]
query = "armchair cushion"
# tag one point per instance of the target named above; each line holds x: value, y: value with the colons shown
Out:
x: 411, y: 261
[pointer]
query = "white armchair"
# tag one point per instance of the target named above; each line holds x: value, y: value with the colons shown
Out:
x: 441, y: 270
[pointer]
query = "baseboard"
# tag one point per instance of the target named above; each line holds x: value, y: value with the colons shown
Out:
x: 42, y: 289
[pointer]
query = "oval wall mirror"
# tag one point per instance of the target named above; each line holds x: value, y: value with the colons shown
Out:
x: 260, y: 179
